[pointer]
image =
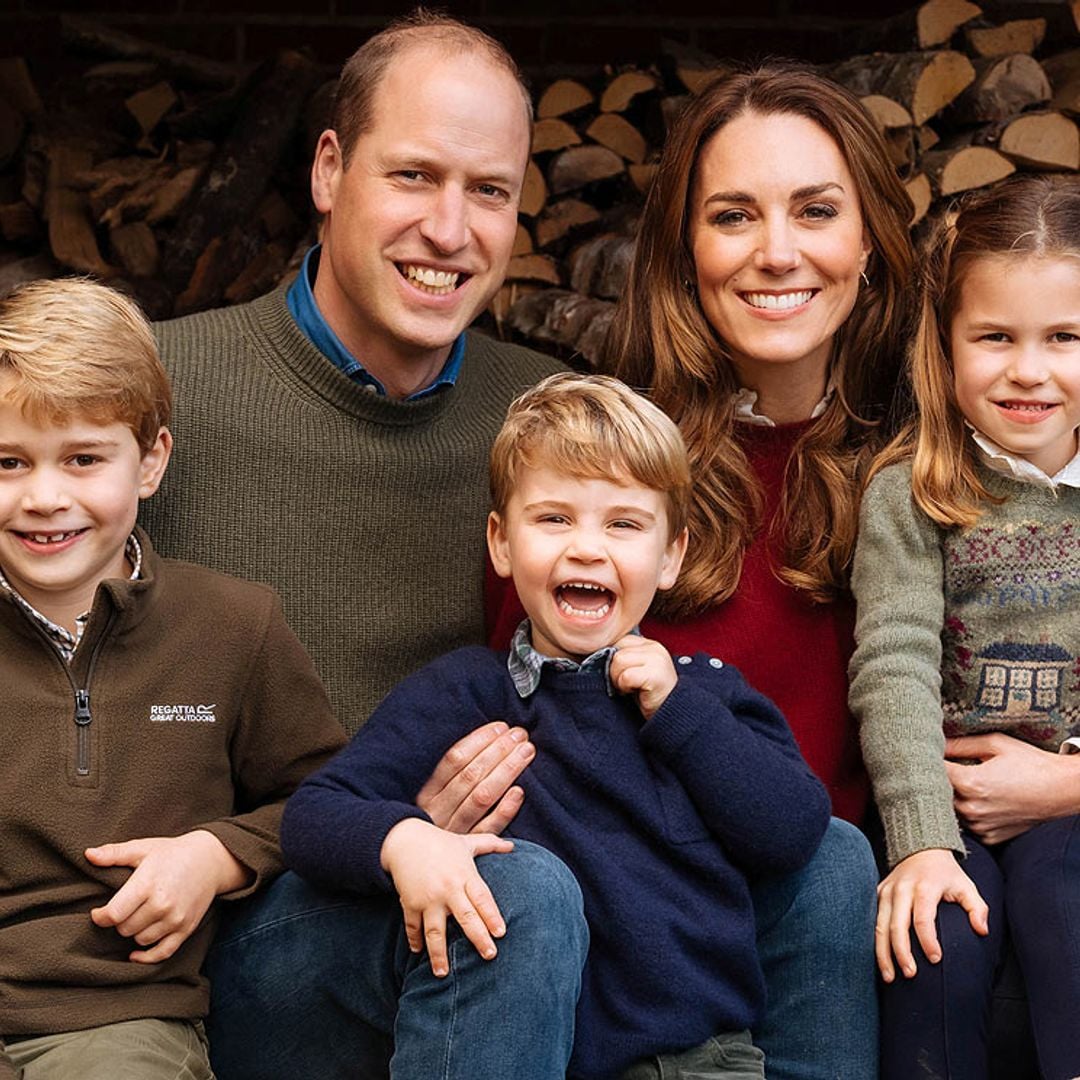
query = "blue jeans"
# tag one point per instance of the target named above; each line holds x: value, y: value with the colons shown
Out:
x: 316, y: 985
x: 290, y: 973
x: 938, y: 1021
x: 816, y: 945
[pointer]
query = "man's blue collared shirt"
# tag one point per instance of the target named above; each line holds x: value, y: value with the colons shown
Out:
x: 305, y: 310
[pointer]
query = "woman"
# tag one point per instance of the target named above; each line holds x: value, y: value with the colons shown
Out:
x: 766, y: 312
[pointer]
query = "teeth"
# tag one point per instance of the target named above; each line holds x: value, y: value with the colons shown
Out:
x: 583, y: 585
x: 1035, y: 406
x: 438, y: 281
x: 777, y: 302
x: 592, y: 613
x: 50, y: 538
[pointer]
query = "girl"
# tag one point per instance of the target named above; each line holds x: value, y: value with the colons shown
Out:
x: 967, y: 580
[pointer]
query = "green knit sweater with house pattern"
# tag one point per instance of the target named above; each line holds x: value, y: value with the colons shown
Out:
x: 365, y: 513
x: 960, y: 631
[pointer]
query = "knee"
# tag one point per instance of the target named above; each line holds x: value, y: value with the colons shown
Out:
x: 540, y: 900
x: 839, y: 884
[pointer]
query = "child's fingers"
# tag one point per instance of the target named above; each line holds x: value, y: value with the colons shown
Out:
x: 478, y: 892
x: 414, y: 928
x: 123, y: 905
x: 161, y: 951
x: 473, y: 925
x: 924, y: 920
x: 435, y: 939
x: 882, y: 948
x: 970, y: 899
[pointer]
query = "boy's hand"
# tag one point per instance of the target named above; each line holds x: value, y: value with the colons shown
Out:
x: 174, y: 882
x: 435, y: 875
x: 472, y: 788
x: 642, y: 666
x: 910, y: 896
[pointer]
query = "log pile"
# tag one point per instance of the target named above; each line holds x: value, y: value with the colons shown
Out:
x: 185, y: 181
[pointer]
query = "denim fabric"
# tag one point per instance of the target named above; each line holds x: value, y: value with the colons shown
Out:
x: 322, y: 986
x: 724, y: 1057
x: 816, y: 944
x: 936, y: 1024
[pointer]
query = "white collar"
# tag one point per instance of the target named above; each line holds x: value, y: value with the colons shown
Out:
x: 999, y: 459
x: 745, y: 400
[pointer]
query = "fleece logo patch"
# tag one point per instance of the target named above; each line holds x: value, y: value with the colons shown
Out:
x: 183, y: 714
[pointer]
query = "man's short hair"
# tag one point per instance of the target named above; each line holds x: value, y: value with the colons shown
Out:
x: 363, y: 71
x: 76, y: 348
x: 592, y: 427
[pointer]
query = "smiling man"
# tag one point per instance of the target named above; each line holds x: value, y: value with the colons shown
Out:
x: 348, y: 418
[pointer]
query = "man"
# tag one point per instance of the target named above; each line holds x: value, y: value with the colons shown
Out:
x: 351, y: 416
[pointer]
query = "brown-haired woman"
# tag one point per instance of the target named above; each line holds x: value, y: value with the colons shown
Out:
x: 766, y: 312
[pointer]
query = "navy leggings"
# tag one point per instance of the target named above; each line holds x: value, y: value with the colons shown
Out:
x: 935, y: 1025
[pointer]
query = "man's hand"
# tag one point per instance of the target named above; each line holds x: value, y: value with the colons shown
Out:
x: 1014, y: 785
x: 435, y: 876
x: 174, y: 882
x: 909, y: 896
x: 643, y: 667
x: 472, y: 788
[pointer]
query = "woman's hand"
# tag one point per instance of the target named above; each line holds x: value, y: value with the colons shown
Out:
x: 910, y: 896
x: 1014, y: 785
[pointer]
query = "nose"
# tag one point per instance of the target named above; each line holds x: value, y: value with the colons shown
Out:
x: 1027, y: 366
x: 586, y: 546
x: 45, y: 493
x: 778, y: 250
x: 445, y: 225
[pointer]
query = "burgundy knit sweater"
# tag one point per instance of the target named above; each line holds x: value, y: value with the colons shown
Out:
x: 793, y: 651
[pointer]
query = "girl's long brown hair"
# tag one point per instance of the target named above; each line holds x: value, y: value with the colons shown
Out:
x: 1026, y: 216
x: 660, y: 340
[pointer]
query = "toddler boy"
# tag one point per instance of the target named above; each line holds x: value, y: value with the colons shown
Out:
x: 155, y: 714
x: 661, y: 784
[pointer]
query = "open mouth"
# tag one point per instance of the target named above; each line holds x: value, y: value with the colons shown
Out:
x: 584, y: 600
x: 50, y: 538
x: 785, y: 301
x: 431, y: 281
x: 1026, y: 406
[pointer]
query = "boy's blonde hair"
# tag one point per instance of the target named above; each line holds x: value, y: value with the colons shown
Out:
x: 592, y: 427
x: 78, y: 348
x: 1027, y: 216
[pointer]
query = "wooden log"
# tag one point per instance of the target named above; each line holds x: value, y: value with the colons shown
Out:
x: 928, y: 26
x: 923, y: 82
x: 642, y: 176
x: 575, y: 168
x: 523, y: 242
x: 954, y: 170
x: 86, y: 35
x: 564, y: 319
x: 622, y: 90
x: 12, y: 129
x: 135, y: 248
x: 926, y: 138
x: 618, y: 134
x: 28, y: 269
x: 937, y: 20
x: 171, y: 197
x: 244, y: 164
x: 220, y: 264
x: 562, y: 97
x: 149, y: 106
x: 693, y: 68
x: 1003, y: 87
x: 507, y: 296
x: 534, y: 191
x: 1045, y: 140
x: 71, y: 234
x: 921, y: 194
x: 17, y: 87
x: 1016, y: 36
x: 533, y: 268
x: 553, y: 134
x: 277, y: 217
x: 260, y: 275
x: 600, y: 266
x: 886, y: 113
x: 1063, y: 71
x: 562, y: 218
x: 19, y: 223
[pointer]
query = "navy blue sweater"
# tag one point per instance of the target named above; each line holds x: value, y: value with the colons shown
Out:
x: 661, y: 822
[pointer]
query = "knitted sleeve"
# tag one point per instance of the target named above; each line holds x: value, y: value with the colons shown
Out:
x: 895, y: 671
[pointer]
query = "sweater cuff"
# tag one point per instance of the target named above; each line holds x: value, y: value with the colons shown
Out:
x: 676, y: 722
x: 914, y: 825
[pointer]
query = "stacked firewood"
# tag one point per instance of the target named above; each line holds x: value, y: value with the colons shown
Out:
x: 185, y: 181
x: 964, y: 96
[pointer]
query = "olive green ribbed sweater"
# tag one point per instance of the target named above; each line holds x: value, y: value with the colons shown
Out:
x: 365, y: 513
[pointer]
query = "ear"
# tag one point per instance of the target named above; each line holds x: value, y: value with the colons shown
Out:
x: 498, y: 545
x: 326, y: 172
x: 673, y: 560
x: 152, y: 465
x: 867, y: 249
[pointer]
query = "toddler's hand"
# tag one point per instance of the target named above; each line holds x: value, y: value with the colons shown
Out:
x: 435, y: 875
x: 174, y: 882
x: 909, y: 896
x: 643, y: 667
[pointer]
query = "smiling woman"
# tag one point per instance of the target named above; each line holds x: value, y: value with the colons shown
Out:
x: 766, y: 313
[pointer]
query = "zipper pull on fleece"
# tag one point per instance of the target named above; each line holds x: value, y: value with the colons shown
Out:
x: 82, y: 707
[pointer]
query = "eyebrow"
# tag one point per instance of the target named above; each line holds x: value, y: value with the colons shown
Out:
x: 809, y: 192
x: 66, y: 448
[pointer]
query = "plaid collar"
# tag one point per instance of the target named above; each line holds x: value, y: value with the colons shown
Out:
x: 525, y: 664
x: 65, y: 641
